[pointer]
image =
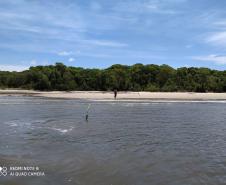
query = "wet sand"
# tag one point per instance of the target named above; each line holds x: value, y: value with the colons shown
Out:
x: 122, y: 95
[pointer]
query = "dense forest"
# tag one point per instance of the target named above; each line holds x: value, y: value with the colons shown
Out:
x: 137, y: 77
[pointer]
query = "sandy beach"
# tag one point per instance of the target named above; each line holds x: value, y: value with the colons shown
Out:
x: 105, y: 96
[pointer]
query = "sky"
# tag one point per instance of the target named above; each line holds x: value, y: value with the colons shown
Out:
x: 99, y: 33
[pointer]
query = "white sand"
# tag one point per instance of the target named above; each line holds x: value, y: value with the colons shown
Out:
x: 99, y: 95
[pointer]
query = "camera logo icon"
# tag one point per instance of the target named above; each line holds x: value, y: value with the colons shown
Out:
x: 3, y: 171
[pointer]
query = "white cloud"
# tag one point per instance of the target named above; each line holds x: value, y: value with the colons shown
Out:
x: 26, y: 16
x: 65, y: 53
x: 107, y: 43
x: 98, y: 29
x: 217, y: 59
x: 220, y: 23
x: 71, y: 59
x: 33, y: 63
x: 151, y: 6
x: 218, y: 38
x: 13, y: 67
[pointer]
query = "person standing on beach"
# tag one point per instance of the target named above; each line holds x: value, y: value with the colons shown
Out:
x: 115, y: 93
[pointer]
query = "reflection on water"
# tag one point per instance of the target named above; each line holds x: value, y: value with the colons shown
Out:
x: 123, y: 143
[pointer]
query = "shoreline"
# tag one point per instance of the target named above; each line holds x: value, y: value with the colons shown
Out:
x: 122, y: 95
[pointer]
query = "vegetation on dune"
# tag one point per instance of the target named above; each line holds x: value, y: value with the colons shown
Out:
x: 137, y: 77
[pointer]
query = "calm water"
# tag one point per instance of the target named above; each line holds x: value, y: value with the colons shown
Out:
x: 123, y: 143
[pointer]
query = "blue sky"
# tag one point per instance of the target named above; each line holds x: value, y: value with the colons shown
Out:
x: 100, y: 33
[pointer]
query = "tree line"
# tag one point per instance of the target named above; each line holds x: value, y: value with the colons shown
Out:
x: 137, y: 77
